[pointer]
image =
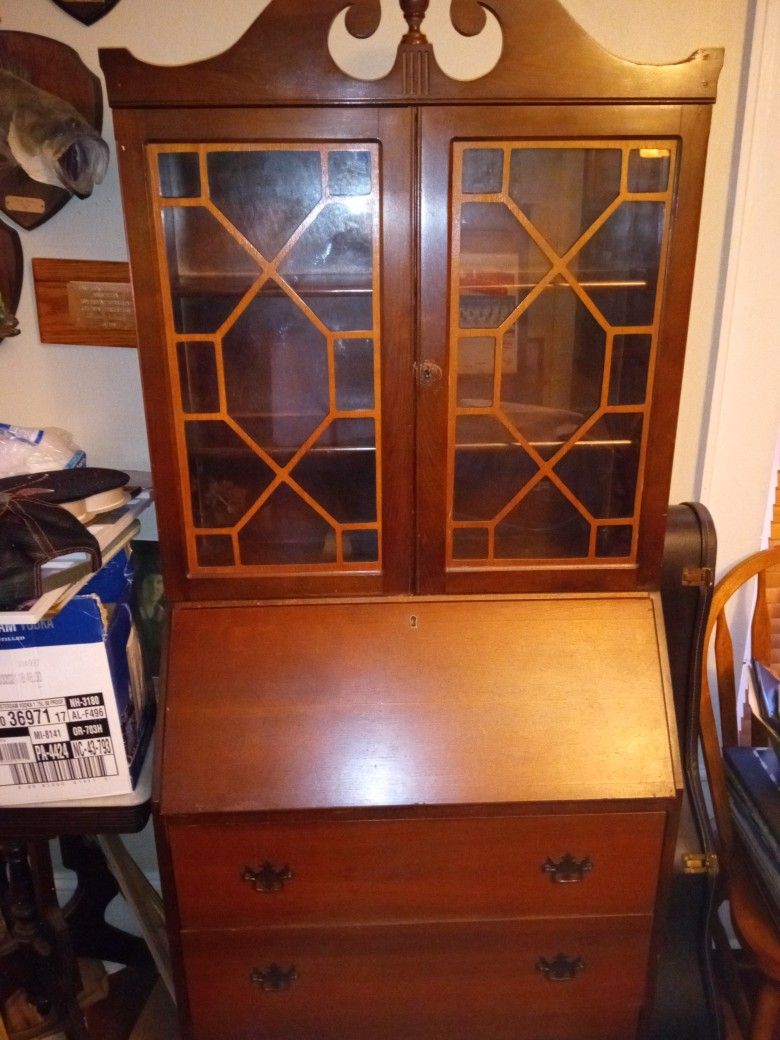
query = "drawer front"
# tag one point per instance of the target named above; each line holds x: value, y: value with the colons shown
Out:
x: 411, y: 870
x: 444, y: 981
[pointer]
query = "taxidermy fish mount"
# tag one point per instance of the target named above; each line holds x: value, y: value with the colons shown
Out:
x: 9, y: 326
x: 51, y: 114
x: 45, y: 136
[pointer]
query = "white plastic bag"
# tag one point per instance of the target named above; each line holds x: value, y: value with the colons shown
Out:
x: 26, y: 450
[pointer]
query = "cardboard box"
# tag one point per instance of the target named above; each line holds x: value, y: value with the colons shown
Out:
x: 76, y: 707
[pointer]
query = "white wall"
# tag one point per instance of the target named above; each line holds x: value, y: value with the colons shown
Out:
x: 95, y: 392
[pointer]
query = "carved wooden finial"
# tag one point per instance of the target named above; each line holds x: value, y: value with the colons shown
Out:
x: 414, y: 12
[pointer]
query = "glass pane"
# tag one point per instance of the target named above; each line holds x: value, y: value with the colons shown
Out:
x: 179, y: 175
x: 209, y: 271
x: 276, y: 373
x: 361, y: 546
x: 490, y: 467
x: 354, y: 360
x: 476, y: 362
x: 214, y: 550
x: 336, y: 248
x: 552, y: 375
x: 648, y: 169
x: 543, y: 525
x: 349, y: 173
x: 470, y: 543
x: 614, y: 541
x: 601, y: 469
x: 287, y: 530
x: 265, y: 194
x: 226, y: 477
x: 499, y: 264
x: 483, y: 170
x: 619, y: 266
x: 563, y: 190
x: 198, y: 376
x: 630, y: 365
x: 339, y: 471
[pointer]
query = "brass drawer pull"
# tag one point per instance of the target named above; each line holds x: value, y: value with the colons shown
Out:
x: 267, y: 877
x: 274, y: 979
x: 560, y: 968
x: 568, y: 869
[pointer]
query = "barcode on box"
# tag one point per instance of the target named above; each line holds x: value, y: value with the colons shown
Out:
x: 19, y: 751
x: 51, y: 772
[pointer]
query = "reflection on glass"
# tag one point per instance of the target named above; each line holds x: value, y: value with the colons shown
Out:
x: 483, y: 170
x: 339, y: 471
x: 198, y: 376
x: 476, y: 362
x: 543, y: 525
x: 470, y: 543
x: 563, y: 190
x: 276, y: 373
x: 490, y: 467
x: 354, y: 364
x: 601, y: 469
x: 226, y: 476
x: 630, y: 366
x: 361, y: 546
x: 208, y: 269
x: 287, y: 530
x: 179, y: 175
x: 349, y: 173
x: 551, y: 380
x: 621, y: 263
x: 336, y: 248
x: 648, y: 169
x: 499, y: 264
x: 266, y: 194
x: 614, y: 541
x: 214, y: 550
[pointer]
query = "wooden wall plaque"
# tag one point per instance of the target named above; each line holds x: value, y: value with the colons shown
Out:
x: 87, y: 11
x: 58, y: 69
x: 11, y: 267
x: 85, y: 302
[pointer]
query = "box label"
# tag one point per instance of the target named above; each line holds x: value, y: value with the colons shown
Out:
x: 55, y: 739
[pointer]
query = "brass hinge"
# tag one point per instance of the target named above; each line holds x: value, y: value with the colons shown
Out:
x: 700, y: 863
x: 702, y: 576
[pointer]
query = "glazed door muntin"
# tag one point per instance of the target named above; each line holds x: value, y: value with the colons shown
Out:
x: 304, y: 253
x: 555, y: 347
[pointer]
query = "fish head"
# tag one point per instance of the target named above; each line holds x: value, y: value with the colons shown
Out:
x: 54, y: 144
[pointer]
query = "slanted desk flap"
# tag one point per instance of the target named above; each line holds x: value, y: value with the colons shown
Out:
x: 397, y: 703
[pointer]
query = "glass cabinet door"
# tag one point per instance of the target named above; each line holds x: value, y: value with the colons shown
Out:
x: 557, y: 258
x: 270, y: 257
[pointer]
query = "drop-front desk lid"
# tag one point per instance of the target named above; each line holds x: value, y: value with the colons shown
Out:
x: 414, y: 702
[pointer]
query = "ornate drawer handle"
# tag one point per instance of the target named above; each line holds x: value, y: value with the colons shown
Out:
x: 274, y: 979
x: 568, y: 869
x: 267, y: 877
x: 560, y: 968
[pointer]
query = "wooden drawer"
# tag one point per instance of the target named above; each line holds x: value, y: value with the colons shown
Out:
x: 444, y: 981
x: 411, y: 870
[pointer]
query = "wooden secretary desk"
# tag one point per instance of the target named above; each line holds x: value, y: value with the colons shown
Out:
x: 411, y: 352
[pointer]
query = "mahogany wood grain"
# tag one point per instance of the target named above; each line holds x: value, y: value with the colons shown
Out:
x: 545, y: 54
x: 392, y: 128
x: 442, y: 981
x: 400, y: 702
x: 439, y: 128
x: 407, y: 870
x: 11, y: 267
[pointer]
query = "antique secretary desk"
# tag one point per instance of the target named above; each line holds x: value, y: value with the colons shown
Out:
x: 411, y: 351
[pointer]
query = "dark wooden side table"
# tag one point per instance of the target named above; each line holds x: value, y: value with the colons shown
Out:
x: 43, y: 960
